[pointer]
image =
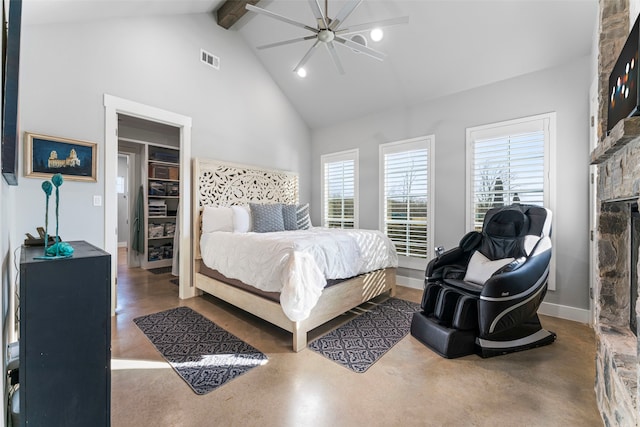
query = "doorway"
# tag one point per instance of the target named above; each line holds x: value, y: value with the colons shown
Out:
x: 123, y: 190
x: 127, y: 183
x: 114, y: 107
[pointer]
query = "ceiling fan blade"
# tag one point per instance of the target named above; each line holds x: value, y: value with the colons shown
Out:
x: 270, y: 14
x: 368, y: 26
x: 285, y: 42
x: 334, y: 55
x: 317, y: 12
x: 360, y: 48
x: 306, y: 57
x: 344, y: 13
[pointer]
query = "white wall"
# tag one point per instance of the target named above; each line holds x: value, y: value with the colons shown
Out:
x: 239, y: 113
x: 564, y: 90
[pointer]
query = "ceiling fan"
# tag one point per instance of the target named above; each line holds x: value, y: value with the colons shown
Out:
x: 329, y: 31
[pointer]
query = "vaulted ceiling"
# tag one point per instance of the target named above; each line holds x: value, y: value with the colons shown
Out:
x: 447, y: 47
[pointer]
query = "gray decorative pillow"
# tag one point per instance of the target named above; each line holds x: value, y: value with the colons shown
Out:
x: 303, y: 219
x: 290, y: 217
x: 267, y: 218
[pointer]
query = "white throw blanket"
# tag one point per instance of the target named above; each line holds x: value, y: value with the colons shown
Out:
x: 297, y: 263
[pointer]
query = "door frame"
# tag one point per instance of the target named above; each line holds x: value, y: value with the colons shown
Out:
x: 113, y: 106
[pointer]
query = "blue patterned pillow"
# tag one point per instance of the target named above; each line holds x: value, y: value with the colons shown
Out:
x: 290, y: 217
x: 267, y: 218
x: 303, y: 219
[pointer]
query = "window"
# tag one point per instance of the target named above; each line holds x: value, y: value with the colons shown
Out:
x: 340, y: 189
x: 120, y: 184
x: 508, y: 162
x: 406, y: 207
x: 511, y: 162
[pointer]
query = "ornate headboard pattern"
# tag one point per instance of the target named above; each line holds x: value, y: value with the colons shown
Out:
x: 217, y: 183
x: 225, y: 184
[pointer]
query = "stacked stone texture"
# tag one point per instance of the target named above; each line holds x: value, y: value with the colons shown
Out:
x: 618, y: 186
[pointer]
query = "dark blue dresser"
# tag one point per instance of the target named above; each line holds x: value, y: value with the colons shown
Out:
x: 65, y: 338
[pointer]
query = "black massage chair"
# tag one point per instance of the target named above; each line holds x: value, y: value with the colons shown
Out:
x: 482, y: 297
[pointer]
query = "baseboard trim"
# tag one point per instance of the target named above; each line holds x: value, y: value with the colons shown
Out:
x: 122, y: 244
x: 410, y: 282
x: 565, y: 312
x: 548, y: 309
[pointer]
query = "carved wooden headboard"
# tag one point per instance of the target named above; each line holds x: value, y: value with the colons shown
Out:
x: 217, y: 183
x: 225, y: 184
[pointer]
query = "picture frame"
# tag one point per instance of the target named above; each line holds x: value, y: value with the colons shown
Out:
x: 47, y: 155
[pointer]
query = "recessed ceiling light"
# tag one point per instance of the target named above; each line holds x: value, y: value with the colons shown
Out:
x: 376, y: 34
x: 302, y: 72
x: 360, y: 39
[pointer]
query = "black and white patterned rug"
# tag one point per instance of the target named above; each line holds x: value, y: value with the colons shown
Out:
x: 160, y: 270
x: 363, y: 340
x: 201, y: 352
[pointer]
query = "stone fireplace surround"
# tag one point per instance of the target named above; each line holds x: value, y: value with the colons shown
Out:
x: 616, y: 358
x: 617, y: 157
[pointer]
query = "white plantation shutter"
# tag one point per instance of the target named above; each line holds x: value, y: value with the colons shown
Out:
x: 339, y: 192
x: 405, y: 196
x: 509, y: 162
x: 506, y: 170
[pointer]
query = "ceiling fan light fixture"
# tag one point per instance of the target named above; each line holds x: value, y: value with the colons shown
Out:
x: 376, y: 34
x: 326, y: 36
x: 330, y: 32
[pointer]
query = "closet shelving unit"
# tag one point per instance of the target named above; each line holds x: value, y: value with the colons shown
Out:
x: 162, y: 194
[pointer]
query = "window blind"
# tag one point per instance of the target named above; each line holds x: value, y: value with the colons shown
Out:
x: 405, y: 199
x: 506, y: 170
x: 339, y: 193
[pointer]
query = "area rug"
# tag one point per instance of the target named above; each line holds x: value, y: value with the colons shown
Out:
x: 359, y: 343
x: 201, y: 352
x: 160, y: 270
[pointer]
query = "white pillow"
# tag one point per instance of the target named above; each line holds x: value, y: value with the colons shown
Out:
x: 481, y: 268
x: 241, y: 219
x: 217, y: 219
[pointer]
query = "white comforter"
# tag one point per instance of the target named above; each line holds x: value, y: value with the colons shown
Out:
x: 297, y: 263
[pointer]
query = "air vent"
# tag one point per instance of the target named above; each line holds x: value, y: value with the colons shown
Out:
x: 209, y: 59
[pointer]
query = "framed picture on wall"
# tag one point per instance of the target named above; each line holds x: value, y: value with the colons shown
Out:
x: 47, y: 155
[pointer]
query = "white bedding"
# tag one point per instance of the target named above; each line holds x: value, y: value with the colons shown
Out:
x: 297, y: 263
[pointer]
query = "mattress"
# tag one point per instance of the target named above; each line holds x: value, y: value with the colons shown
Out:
x: 297, y: 264
x: 273, y: 296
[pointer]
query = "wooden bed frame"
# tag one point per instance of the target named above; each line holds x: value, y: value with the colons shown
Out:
x: 225, y: 184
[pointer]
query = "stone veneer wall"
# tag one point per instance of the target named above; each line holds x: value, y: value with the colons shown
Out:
x: 616, y: 357
x: 618, y: 159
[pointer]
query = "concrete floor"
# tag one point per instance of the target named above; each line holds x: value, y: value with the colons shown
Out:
x: 408, y: 386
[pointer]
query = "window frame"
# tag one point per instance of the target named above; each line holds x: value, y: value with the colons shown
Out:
x: 545, y: 122
x: 423, y: 142
x: 341, y: 156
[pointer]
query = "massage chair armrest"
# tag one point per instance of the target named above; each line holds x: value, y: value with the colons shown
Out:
x: 456, y: 256
x: 533, y: 271
x: 512, y: 266
x: 452, y: 256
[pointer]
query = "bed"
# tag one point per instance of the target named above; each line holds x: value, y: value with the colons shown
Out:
x: 218, y: 186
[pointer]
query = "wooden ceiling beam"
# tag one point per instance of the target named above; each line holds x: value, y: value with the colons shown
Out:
x: 232, y: 10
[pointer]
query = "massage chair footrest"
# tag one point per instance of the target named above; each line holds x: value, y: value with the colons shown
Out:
x: 489, y: 348
x: 447, y: 342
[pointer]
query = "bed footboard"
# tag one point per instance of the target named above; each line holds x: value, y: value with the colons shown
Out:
x: 334, y: 301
